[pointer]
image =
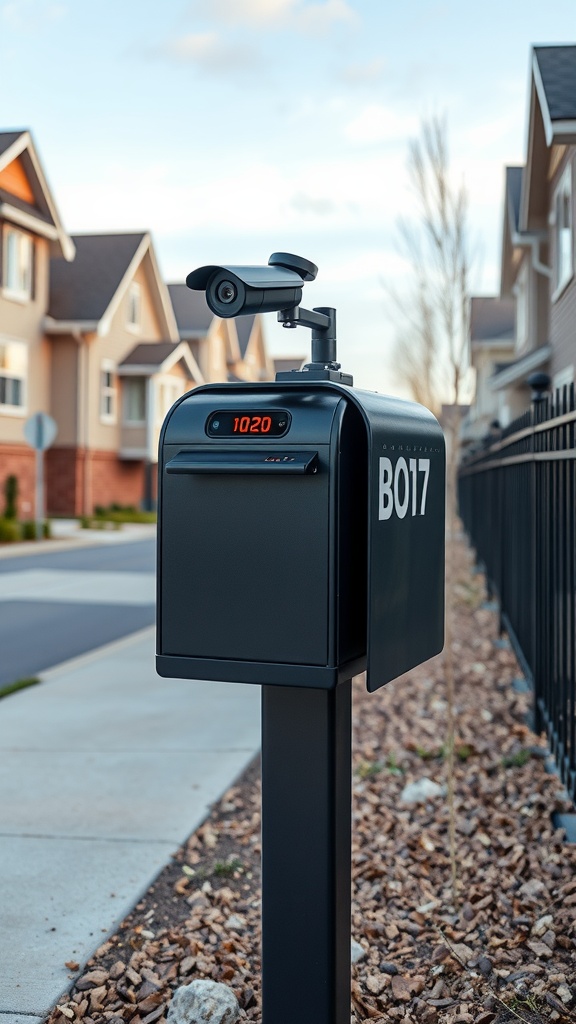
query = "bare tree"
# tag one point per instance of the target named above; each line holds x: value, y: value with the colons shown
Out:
x: 432, y: 348
x: 430, y: 354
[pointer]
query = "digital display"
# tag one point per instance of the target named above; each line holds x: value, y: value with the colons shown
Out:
x: 248, y: 423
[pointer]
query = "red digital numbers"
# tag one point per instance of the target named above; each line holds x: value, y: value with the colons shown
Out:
x: 252, y: 424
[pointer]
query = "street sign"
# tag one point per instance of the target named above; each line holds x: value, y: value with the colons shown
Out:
x: 40, y: 431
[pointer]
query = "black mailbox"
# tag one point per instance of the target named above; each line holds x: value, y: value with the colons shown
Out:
x: 301, y: 535
x: 301, y: 540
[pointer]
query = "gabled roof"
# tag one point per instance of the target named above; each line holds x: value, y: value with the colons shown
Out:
x: 86, y: 293
x: 191, y: 310
x: 491, y: 319
x: 554, y: 69
x: 35, y: 210
x: 84, y: 290
x: 147, y: 358
x: 551, y: 122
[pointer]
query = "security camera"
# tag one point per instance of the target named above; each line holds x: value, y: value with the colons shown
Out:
x: 237, y: 291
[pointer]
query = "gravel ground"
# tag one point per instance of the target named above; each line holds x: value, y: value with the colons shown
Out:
x: 501, y: 948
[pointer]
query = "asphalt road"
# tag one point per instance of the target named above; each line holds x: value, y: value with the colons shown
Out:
x: 55, y: 606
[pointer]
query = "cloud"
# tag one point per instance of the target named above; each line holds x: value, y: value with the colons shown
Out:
x: 377, y: 123
x: 296, y: 15
x: 20, y: 14
x: 209, y: 52
x: 317, y: 205
x: 362, y: 74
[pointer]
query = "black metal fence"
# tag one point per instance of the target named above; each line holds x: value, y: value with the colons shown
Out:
x: 517, y: 502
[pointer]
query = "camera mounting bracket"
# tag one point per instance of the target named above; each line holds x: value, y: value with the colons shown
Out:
x: 322, y: 321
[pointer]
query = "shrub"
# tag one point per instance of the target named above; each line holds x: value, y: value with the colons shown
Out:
x: 9, y: 530
x: 29, y: 530
x: 11, y: 495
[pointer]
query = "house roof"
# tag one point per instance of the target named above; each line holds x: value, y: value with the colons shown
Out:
x: 147, y: 358
x: 555, y: 74
x: 7, y: 139
x: 491, y: 319
x: 510, y: 374
x: 191, y: 310
x: 84, y: 289
x: 152, y: 353
x: 39, y: 216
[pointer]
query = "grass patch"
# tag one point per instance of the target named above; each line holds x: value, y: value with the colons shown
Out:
x: 20, y: 684
x: 227, y: 868
x: 517, y: 760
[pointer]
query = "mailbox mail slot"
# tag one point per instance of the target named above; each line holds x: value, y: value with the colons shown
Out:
x: 301, y: 530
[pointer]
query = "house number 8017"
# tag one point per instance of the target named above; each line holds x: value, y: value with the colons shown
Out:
x: 403, y: 486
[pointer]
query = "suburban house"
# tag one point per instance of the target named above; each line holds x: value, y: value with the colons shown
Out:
x: 491, y: 349
x: 91, y: 335
x: 538, y: 252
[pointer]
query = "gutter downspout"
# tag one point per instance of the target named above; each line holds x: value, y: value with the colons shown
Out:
x: 527, y: 241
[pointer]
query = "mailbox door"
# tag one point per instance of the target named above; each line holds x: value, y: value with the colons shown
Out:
x: 245, y: 560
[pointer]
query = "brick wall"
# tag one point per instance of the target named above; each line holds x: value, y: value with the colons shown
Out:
x: 115, y: 480
x: 108, y: 480
x: 19, y: 460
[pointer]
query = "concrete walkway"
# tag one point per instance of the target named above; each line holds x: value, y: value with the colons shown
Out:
x: 104, y: 770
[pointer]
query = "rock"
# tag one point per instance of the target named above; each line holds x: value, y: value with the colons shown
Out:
x: 403, y: 989
x: 540, y: 949
x: 387, y: 968
x: 420, y: 791
x: 236, y: 923
x: 203, y: 1002
x: 542, y: 925
x: 356, y: 951
x: 485, y: 966
x: 565, y: 994
x: 532, y: 889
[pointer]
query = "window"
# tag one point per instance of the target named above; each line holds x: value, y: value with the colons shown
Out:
x: 563, y: 234
x: 18, y: 251
x: 134, y: 399
x: 107, y: 392
x: 133, y: 314
x: 13, y: 373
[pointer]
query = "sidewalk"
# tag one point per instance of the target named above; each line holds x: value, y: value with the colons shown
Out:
x: 104, y: 770
x: 67, y: 534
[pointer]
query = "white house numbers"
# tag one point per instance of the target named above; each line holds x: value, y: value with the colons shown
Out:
x: 402, y: 486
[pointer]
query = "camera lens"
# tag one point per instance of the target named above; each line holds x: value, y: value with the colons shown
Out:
x: 226, y: 292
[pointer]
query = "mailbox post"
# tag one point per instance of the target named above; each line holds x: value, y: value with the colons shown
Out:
x: 301, y: 542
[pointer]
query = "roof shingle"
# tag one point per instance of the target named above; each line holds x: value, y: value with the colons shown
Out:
x: 557, y: 65
x: 83, y: 289
x: 492, y: 319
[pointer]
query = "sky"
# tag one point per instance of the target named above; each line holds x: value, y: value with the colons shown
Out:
x: 232, y: 129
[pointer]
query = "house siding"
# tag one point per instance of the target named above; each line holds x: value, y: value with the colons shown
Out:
x: 563, y: 309
x: 116, y: 344
x: 22, y: 321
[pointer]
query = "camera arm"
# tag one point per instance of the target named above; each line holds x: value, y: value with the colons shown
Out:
x: 322, y: 321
